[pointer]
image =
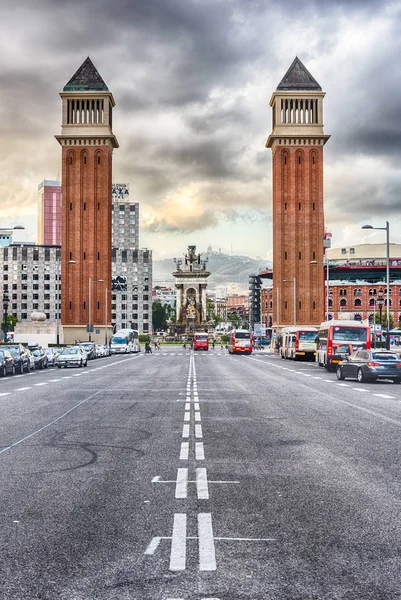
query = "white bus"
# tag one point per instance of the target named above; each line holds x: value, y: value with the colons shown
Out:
x: 125, y: 341
x: 298, y: 342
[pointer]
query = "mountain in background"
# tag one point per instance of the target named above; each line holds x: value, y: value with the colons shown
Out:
x: 230, y: 271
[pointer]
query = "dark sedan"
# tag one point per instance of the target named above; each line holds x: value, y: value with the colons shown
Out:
x: 20, y: 356
x: 40, y: 358
x: 6, y: 363
x: 370, y: 365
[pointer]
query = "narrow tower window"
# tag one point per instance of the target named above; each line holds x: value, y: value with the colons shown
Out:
x: 84, y: 205
x: 285, y: 255
x: 70, y: 304
x: 299, y: 255
x: 299, y: 206
x: 70, y: 160
x: 98, y: 305
x: 313, y: 206
x: 98, y: 255
x: 98, y: 160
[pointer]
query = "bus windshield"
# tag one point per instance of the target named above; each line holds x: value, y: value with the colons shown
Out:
x: 307, y: 336
x: 118, y: 340
x: 201, y: 338
x: 349, y: 334
x: 242, y: 335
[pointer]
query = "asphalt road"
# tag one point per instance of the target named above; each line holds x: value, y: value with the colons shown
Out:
x: 182, y: 476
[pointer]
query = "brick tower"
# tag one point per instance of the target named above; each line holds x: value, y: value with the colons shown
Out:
x: 297, y: 142
x: 87, y: 142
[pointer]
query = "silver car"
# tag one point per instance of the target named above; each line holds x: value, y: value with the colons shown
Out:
x: 71, y: 357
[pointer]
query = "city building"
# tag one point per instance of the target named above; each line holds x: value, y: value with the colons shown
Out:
x: 132, y: 289
x: 255, y: 286
x: 125, y: 218
x: 87, y: 141
x: 237, y: 307
x: 164, y: 295
x: 297, y: 141
x: 49, y: 213
x: 131, y: 266
x: 30, y: 276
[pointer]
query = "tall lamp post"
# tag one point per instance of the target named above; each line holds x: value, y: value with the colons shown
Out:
x: 380, y: 301
x: 314, y: 262
x: 294, y: 281
x: 90, y: 283
x: 6, y: 300
x: 387, y: 230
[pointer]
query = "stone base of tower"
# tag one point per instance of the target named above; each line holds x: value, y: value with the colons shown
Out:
x: 70, y: 334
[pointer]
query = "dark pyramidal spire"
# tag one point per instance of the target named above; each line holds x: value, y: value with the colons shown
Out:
x: 298, y: 78
x: 86, y: 79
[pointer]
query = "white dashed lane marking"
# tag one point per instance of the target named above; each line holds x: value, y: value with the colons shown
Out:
x: 199, y: 451
x: 184, y: 452
x: 384, y: 396
x: 20, y: 390
x: 8, y: 393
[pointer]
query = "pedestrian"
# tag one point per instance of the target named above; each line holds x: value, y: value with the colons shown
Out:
x: 213, y: 343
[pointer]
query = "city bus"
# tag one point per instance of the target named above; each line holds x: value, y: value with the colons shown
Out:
x: 298, y: 342
x: 125, y: 341
x: 339, y: 338
x: 201, y: 341
x: 240, y: 342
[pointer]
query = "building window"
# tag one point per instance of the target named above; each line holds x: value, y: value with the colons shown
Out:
x: 343, y: 291
x: 358, y: 292
x: 285, y: 304
x: 352, y: 250
x: 343, y: 250
x: 35, y: 277
x: 330, y: 302
x: 372, y: 292
x: 343, y: 302
x: 357, y: 302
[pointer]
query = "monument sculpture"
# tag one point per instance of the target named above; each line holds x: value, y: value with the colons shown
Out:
x: 191, y: 283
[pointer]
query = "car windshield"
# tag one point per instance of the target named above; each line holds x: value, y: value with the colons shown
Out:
x: 70, y: 351
x: 48, y: 351
x: 351, y: 334
x: 242, y: 335
x: 201, y: 338
x: 13, y: 351
x: 384, y: 356
x: 307, y: 336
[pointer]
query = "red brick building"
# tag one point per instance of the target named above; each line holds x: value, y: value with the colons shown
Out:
x: 87, y: 142
x: 297, y: 141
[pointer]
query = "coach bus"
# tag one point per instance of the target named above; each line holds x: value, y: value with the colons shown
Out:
x: 125, y: 341
x: 337, y: 338
x: 298, y: 343
x: 201, y: 341
x: 240, y: 342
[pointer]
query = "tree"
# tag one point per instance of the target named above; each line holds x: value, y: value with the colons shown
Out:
x: 159, y: 316
x: 384, y: 320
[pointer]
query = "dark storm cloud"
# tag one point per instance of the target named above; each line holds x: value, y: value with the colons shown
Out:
x: 192, y: 80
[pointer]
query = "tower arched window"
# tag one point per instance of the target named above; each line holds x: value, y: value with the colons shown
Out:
x: 343, y: 302
x: 330, y: 302
x: 357, y: 302
x: 372, y: 301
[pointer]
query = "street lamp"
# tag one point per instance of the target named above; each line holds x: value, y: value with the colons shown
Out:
x: 387, y: 230
x: 380, y: 301
x: 90, y: 304
x: 6, y: 300
x: 294, y: 281
x: 106, y: 315
x: 314, y: 262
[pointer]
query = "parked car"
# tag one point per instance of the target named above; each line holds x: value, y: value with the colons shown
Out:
x: 51, y: 356
x: 31, y: 357
x: 20, y: 356
x: 370, y: 365
x: 90, y: 349
x: 7, y: 365
x: 71, y: 356
x: 40, y: 358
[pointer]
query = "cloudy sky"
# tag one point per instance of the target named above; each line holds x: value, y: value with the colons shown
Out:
x: 192, y: 80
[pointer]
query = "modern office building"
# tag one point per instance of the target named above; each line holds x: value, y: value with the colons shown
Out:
x: 49, y: 212
x: 30, y: 276
x: 6, y: 237
x: 131, y: 266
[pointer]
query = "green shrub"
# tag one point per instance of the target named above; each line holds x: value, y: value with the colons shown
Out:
x: 144, y: 338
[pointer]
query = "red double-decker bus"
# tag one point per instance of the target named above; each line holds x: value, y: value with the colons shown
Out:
x: 201, y: 341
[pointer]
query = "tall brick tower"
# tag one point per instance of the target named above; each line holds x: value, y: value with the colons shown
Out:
x: 297, y: 142
x: 87, y: 142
